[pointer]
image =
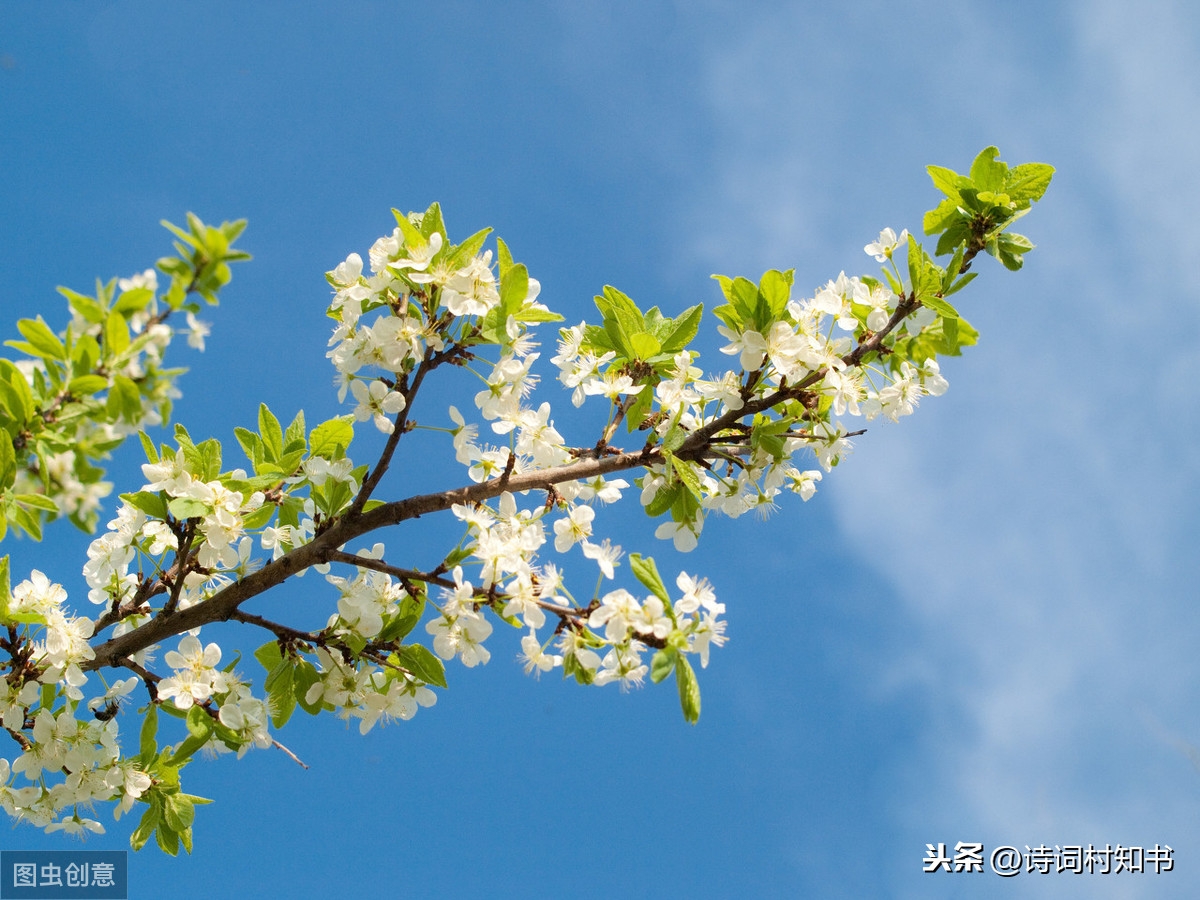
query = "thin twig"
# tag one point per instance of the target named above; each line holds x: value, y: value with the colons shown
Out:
x: 295, y: 758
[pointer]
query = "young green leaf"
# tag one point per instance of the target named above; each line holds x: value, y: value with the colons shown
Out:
x: 689, y: 690
x: 423, y: 664
x: 647, y: 573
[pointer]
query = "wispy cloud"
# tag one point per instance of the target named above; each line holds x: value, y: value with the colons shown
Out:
x: 1040, y: 509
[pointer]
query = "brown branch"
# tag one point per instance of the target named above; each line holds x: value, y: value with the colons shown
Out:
x: 431, y: 361
x: 324, y: 547
x: 25, y: 743
x: 181, y: 567
x: 282, y: 632
x: 149, y: 679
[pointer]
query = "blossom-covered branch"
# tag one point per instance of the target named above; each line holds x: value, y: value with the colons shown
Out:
x: 524, y: 519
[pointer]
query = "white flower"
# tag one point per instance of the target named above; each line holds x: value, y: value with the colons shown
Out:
x: 623, y: 664
x: 574, y: 528
x: 616, y: 614
x: 883, y: 248
x: 198, y: 332
x: 377, y: 400
x: 697, y: 592
x: 802, y: 483
x: 37, y: 595
x: 685, y: 535
x: 118, y: 690
x: 471, y: 291
x: 750, y: 344
x: 147, y: 279
x: 931, y: 378
x: 709, y: 632
x: 320, y: 470
x: 464, y: 437
x: 605, y: 555
x: 419, y: 257
x: 535, y: 656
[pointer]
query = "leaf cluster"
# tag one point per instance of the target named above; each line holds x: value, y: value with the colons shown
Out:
x: 980, y: 206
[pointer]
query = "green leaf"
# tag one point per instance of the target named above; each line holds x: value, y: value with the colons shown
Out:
x: 432, y: 221
x: 146, y: 827
x: 582, y: 674
x: 619, y: 309
x: 924, y: 274
x: 532, y: 313
x: 957, y: 235
x: 149, y: 744
x: 36, y: 501
x: 960, y: 284
x: 306, y: 676
x: 251, y: 445
x: 422, y: 664
x: 87, y: 307
x: 38, y: 333
x: 950, y: 331
x: 293, y: 438
x: 467, y: 250
x: 116, y: 334
x: 644, y: 345
x: 272, y: 434
x: 124, y: 401
x: 259, y: 517
x: 664, y: 500
x: 689, y: 690
x: 939, y: 305
x: 647, y: 573
x: 987, y: 172
x: 133, y: 300
x: 8, y: 461
x: 14, y: 390
x: 952, y: 269
x: 404, y: 621
x: 411, y: 234
x: 167, y: 840
x: 151, y: 504
x: 187, y: 508
x: 28, y: 523
x: 5, y: 589
x: 514, y: 288
x: 269, y: 655
x: 503, y: 255
x: 85, y: 385
x: 662, y: 664
x: 331, y: 439
x: 682, y: 329
x: 776, y: 289
x: 207, y: 459
x: 199, y: 722
x: 1028, y: 182
x: 945, y: 180
x: 178, y: 812
x: 148, y: 447
x: 281, y: 693
x: 686, y: 474
x: 189, y: 746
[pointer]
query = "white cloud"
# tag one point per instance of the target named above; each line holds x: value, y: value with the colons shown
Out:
x: 1047, y: 490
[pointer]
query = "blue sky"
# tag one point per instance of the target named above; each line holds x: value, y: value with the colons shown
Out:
x: 983, y: 626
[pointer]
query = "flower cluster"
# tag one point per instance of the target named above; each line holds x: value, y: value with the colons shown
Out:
x: 368, y: 693
x: 215, y: 527
x: 86, y: 753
